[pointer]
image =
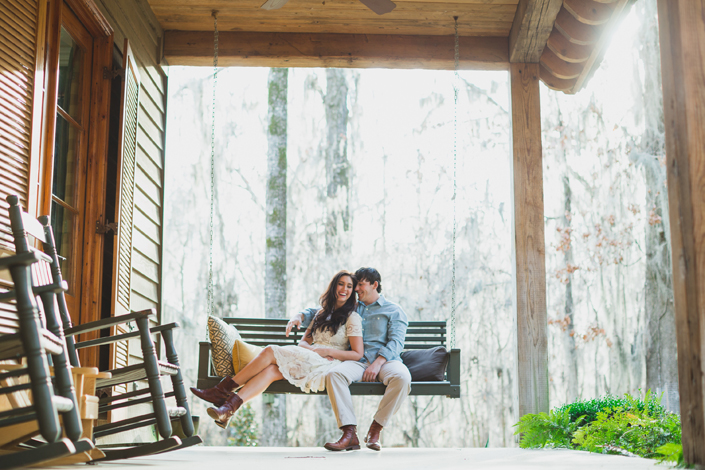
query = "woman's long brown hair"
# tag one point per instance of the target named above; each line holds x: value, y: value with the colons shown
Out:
x: 329, y: 317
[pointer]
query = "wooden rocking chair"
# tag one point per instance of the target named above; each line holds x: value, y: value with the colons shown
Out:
x: 34, y: 343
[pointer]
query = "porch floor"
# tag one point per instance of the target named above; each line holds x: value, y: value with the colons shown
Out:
x: 308, y: 458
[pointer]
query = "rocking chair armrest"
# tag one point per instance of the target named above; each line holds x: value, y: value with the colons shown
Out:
x: 108, y: 322
x: 23, y: 259
x: 124, y: 336
x: 167, y: 326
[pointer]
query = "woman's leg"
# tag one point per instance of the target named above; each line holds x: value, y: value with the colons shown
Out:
x: 259, y: 383
x: 255, y: 386
x: 263, y: 360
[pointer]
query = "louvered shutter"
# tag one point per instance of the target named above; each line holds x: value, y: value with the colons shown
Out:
x: 122, y: 255
x: 18, y: 49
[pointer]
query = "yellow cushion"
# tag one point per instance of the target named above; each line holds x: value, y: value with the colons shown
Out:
x: 243, y: 353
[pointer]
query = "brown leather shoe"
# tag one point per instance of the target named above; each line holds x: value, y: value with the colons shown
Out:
x: 222, y: 414
x: 218, y: 394
x: 372, y: 438
x: 348, y: 440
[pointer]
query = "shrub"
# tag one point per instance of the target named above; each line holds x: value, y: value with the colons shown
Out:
x: 624, y: 425
x: 552, y: 429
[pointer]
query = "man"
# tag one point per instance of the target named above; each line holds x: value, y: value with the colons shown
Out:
x: 384, y: 325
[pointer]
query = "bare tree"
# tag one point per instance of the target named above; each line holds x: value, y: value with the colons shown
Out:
x: 660, y: 327
x: 274, y: 406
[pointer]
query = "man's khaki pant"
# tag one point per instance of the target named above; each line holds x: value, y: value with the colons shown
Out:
x: 393, y: 374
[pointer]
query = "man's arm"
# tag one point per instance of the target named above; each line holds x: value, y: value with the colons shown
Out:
x: 301, y: 319
x: 396, y: 333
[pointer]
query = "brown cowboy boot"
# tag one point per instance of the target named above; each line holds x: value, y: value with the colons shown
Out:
x: 218, y: 394
x: 372, y: 438
x: 222, y: 414
x: 348, y: 441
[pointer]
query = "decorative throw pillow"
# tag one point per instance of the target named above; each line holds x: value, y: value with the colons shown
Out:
x: 223, y: 338
x: 243, y: 353
x: 426, y: 365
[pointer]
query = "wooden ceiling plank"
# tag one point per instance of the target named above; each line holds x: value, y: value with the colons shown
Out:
x: 559, y: 67
x: 575, y: 31
x: 224, y: 5
x: 407, y: 27
x: 532, y: 25
x: 342, y: 16
x: 335, y: 50
x: 589, y: 11
x: 566, y: 50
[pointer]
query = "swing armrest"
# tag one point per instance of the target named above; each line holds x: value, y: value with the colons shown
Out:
x: 453, y: 369
x: 108, y: 322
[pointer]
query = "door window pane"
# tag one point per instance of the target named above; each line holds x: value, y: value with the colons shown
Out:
x: 65, y: 149
x: 62, y: 223
x: 70, y: 69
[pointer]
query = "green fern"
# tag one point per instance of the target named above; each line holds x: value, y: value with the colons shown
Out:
x: 552, y: 429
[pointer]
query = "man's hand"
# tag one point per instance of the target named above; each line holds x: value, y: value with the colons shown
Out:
x: 370, y: 374
x: 294, y: 322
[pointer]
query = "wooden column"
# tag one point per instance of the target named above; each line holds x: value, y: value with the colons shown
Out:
x: 682, y: 34
x: 529, y: 246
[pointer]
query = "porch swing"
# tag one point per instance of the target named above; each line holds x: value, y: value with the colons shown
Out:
x: 262, y: 332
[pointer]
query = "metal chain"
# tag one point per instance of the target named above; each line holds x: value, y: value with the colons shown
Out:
x: 212, y: 210
x: 455, y: 179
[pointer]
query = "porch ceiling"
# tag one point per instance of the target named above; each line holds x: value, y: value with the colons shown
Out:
x: 567, y: 37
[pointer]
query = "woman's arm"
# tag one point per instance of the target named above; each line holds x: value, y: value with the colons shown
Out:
x: 354, y: 354
x: 307, y: 338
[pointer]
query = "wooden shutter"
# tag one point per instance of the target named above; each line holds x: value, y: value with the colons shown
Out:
x: 18, y: 57
x: 122, y: 254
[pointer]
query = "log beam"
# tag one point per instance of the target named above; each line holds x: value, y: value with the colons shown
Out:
x: 682, y: 35
x: 533, y: 23
x: 529, y: 245
x: 334, y: 50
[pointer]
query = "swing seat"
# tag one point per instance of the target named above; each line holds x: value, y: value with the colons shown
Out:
x: 266, y: 331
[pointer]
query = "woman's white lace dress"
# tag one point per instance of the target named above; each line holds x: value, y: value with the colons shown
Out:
x: 307, y: 369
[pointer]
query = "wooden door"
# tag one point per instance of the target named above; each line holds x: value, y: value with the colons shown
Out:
x: 70, y: 155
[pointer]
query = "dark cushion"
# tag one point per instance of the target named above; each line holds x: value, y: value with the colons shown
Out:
x: 426, y: 365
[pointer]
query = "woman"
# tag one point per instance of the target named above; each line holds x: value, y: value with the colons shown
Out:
x: 334, y: 329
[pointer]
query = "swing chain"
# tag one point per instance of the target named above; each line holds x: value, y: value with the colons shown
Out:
x: 455, y: 183
x: 212, y: 208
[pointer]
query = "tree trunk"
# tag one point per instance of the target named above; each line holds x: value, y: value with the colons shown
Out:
x: 274, y: 406
x: 337, y: 164
x: 660, y: 335
x: 571, y: 355
x: 337, y: 207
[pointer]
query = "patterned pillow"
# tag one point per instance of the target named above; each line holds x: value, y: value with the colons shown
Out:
x: 223, y: 338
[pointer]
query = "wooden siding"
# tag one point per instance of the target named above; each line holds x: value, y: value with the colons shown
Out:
x: 18, y: 49
x: 134, y: 19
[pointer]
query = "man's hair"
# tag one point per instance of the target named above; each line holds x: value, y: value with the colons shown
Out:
x: 370, y: 275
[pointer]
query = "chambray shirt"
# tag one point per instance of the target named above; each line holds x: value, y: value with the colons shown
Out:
x: 384, y: 325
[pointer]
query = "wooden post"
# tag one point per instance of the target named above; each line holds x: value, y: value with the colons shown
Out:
x: 529, y: 246
x: 682, y: 35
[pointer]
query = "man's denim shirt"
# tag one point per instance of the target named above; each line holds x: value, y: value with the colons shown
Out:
x: 384, y: 325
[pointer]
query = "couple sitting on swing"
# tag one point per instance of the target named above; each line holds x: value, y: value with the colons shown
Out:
x: 346, y: 341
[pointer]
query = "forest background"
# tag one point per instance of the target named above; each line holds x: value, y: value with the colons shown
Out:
x: 318, y: 170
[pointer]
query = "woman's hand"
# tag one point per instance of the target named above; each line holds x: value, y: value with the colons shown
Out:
x: 323, y: 352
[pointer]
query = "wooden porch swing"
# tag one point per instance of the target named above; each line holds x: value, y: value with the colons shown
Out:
x: 267, y: 331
